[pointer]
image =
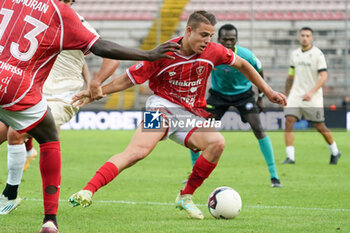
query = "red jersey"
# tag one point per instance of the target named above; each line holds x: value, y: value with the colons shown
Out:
x: 182, y: 80
x: 32, y: 34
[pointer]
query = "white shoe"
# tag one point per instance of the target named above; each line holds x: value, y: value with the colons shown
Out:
x: 30, y: 156
x: 6, y: 205
x: 83, y: 198
x: 49, y: 227
x: 184, y: 202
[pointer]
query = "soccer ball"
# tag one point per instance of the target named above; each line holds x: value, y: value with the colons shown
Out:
x: 224, y: 202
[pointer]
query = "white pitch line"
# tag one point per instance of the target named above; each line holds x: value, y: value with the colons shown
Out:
x: 171, y: 204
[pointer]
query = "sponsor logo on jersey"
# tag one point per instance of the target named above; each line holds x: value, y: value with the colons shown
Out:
x: 303, y: 63
x: 186, y: 83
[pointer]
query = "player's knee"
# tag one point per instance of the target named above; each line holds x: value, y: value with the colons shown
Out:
x: 218, y: 145
x: 289, y: 122
x: 15, y: 138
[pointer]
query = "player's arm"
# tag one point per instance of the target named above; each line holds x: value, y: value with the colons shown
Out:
x: 108, y: 49
x: 261, y: 94
x: 323, y: 76
x: 118, y: 84
x: 252, y: 75
x: 289, y: 81
x: 107, y: 68
x: 86, y: 74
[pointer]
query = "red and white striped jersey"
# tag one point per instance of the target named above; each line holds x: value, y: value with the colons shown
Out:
x: 182, y: 80
x: 32, y: 34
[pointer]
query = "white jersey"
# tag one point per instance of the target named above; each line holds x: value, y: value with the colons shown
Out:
x: 65, y: 79
x: 307, y: 66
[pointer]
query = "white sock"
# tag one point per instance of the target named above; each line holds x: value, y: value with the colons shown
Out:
x: 30, y: 152
x: 16, y: 158
x: 290, y: 152
x: 333, y: 148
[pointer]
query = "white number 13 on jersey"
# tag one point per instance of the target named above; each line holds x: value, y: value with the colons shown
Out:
x: 31, y: 35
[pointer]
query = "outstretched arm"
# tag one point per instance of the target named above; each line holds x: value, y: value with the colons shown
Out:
x: 108, y: 49
x: 118, y: 84
x: 252, y: 75
x: 107, y: 68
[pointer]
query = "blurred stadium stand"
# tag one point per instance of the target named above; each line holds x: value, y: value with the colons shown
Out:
x: 268, y: 27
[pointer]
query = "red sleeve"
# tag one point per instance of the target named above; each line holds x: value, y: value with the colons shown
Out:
x: 222, y: 55
x: 142, y: 71
x: 75, y: 35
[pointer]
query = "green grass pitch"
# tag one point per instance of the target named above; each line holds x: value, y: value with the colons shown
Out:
x: 315, y: 196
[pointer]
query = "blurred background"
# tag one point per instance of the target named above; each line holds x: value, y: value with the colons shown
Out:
x: 268, y: 27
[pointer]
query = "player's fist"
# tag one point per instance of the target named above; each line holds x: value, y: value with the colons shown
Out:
x: 277, y: 97
x: 81, y: 99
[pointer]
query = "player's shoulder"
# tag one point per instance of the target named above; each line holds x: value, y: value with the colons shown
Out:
x: 213, y: 45
x: 214, y: 48
x: 317, y: 50
x: 177, y: 39
x: 65, y: 11
x: 243, y: 52
x: 295, y: 52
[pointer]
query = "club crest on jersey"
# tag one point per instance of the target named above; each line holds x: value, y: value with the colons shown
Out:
x: 172, y: 73
x: 200, y: 70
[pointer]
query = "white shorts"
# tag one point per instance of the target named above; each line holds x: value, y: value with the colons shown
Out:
x: 172, y: 113
x: 311, y: 110
x: 23, y: 121
x: 62, y: 112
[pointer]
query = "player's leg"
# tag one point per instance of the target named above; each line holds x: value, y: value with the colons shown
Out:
x: 212, y: 144
x: 16, y: 157
x: 31, y: 152
x: 249, y: 111
x: 45, y: 134
x: 332, y: 145
x: 217, y: 106
x: 3, y: 131
x: 316, y: 115
x: 289, y: 139
x: 139, y: 147
x: 265, y: 146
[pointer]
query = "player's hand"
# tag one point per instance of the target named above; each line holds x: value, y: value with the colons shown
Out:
x: 96, y: 91
x: 277, y: 97
x: 307, y: 97
x: 260, y: 104
x: 81, y: 99
x: 160, y: 51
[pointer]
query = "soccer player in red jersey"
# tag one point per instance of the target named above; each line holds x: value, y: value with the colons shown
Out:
x: 179, y: 87
x: 32, y: 35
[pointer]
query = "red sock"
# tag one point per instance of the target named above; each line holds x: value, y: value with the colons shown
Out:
x: 103, y: 176
x: 29, y: 144
x: 50, y: 168
x: 200, y: 171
